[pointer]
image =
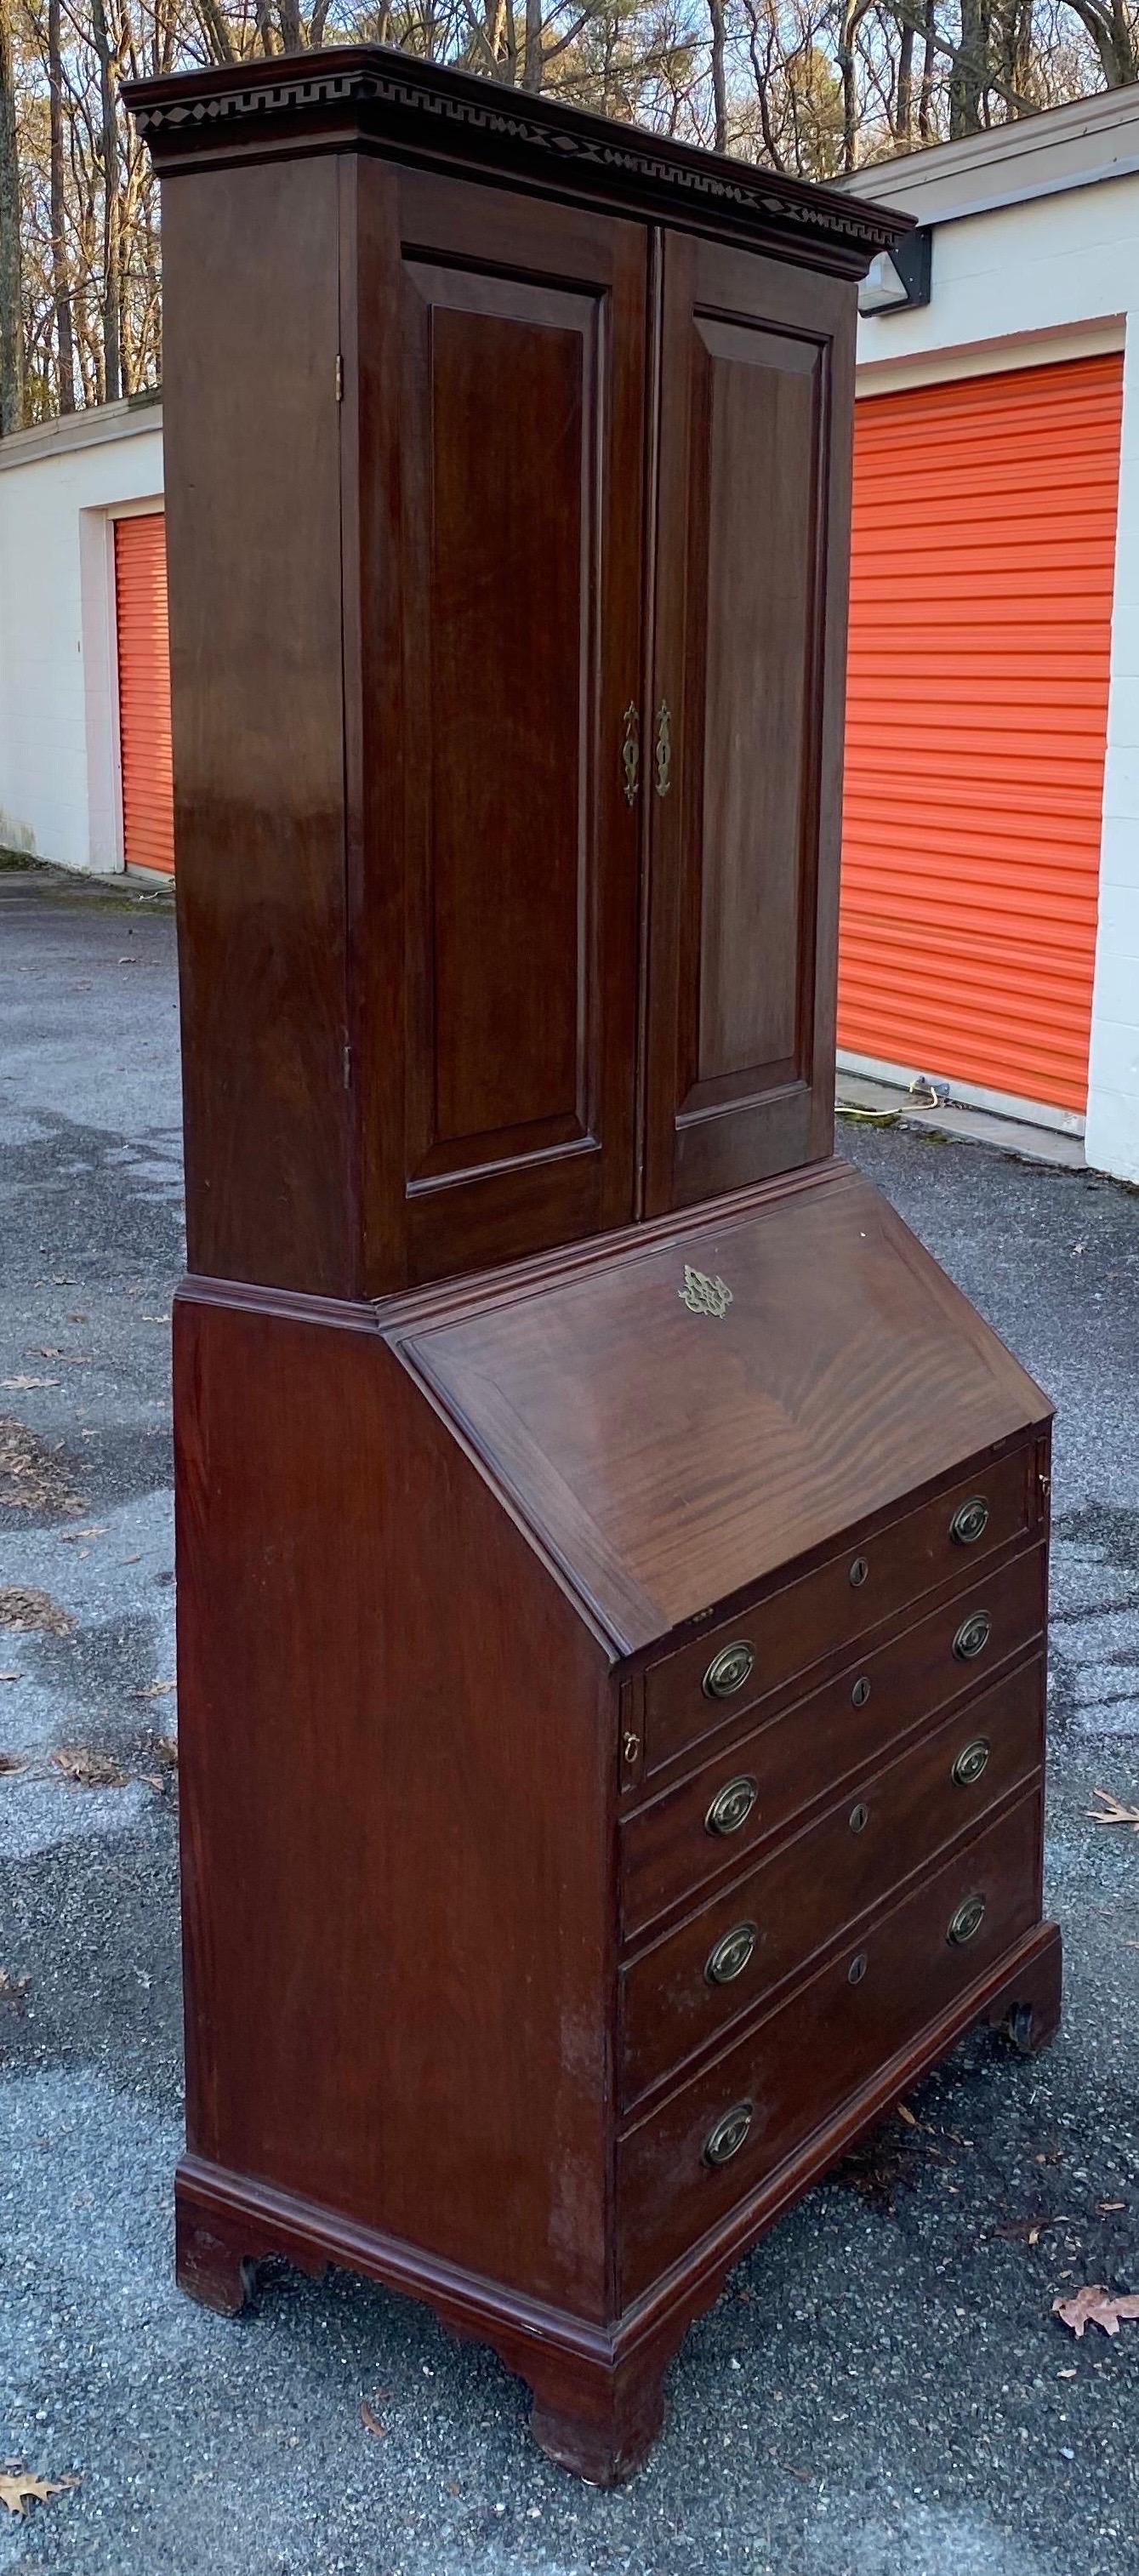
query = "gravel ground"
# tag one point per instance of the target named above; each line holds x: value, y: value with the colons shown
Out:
x: 883, y: 2390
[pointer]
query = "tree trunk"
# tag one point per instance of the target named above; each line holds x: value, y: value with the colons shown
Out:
x: 11, y: 314
x: 925, y: 94
x: 532, y: 58
x: 109, y: 147
x: 60, y: 284
x: 967, y: 78
x: 904, y: 110
x: 719, y: 78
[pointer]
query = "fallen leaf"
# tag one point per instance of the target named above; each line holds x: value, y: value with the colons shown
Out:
x: 94, y: 1529
x: 12, y: 1989
x: 1104, y: 2206
x: 16, y: 2491
x: 370, y: 2421
x: 1112, y: 1812
x: 22, y: 1606
x: 1094, y: 2306
x: 130, y: 1560
x: 20, y: 1385
x: 87, y: 1769
x: 11, y: 1677
x: 154, y: 1690
x: 12, y: 1761
x: 33, y: 1474
x: 905, y: 2113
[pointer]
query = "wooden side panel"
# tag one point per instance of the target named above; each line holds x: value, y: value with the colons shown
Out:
x: 500, y: 363
x: 751, y: 574
x: 253, y: 540
x: 398, y: 1960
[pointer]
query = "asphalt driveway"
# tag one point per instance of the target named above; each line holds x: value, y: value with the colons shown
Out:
x: 883, y: 2390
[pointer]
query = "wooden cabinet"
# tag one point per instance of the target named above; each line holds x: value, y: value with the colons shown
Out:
x: 611, y: 1555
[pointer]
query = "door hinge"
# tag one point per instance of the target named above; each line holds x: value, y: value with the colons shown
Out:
x: 339, y: 377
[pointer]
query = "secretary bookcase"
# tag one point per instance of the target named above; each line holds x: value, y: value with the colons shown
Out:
x: 611, y: 1554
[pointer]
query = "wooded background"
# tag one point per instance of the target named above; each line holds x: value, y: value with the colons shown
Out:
x: 810, y: 86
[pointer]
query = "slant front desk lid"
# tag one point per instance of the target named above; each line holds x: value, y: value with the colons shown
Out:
x: 677, y: 1418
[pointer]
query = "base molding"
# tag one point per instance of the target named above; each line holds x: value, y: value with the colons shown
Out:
x: 596, y: 2388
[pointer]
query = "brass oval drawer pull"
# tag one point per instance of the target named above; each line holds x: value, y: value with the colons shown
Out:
x: 728, y: 2134
x: 729, y: 1670
x: 859, y: 1570
x: 732, y: 1805
x: 971, y: 1761
x: 731, y: 1954
x: 859, y: 1818
x: 967, y: 1920
x: 972, y: 1636
x: 861, y: 1691
x: 970, y: 1521
x: 857, y: 1969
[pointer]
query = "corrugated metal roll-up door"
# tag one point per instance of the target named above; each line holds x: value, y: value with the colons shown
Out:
x: 982, y: 574
x: 144, y: 691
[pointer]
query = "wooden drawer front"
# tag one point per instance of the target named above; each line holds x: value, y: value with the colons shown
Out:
x: 794, y: 2072
x: 793, y: 1629
x: 719, y: 1965
x: 668, y: 1847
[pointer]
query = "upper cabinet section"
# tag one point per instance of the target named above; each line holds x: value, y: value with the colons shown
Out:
x: 507, y: 522
x: 752, y: 532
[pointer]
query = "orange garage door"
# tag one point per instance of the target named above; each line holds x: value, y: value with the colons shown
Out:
x: 983, y: 561
x: 144, y: 692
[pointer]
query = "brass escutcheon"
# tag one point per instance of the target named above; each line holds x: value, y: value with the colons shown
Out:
x: 859, y: 1818
x: 859, y: 1570
x: 857, y: 1969
x: 731, y: 1954
x: 970, y: 1521
x: 971, y: 1761
x: 967, y: 1920
x: 662, y: 753
x: 861, y: 1691
x: 972, y: 1636
x: 729, y: 1670
x: 732, y: 1805
x: 727, y: 2136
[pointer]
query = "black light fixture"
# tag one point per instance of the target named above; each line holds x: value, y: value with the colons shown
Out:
x: 900, y: 278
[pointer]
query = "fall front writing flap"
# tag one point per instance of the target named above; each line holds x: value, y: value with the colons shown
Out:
x: 686, y: 1415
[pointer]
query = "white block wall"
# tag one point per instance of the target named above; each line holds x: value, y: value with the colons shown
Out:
x: 60, y: 489
x: 1056, y: 277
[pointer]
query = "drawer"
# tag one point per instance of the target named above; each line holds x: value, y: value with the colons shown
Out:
x: 679, y: 1839
x: 690, y: 1986
x: 763, y: 2098
x: 735, y: 1665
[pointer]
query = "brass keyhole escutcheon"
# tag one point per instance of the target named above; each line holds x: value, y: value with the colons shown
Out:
x: 861, y: 1691
x: 859, y: 1570
x: 972, y: 1636
x: 971, y: 1761
x: 732, y: 1805
x: 729, y: 1670
x: 662, y: 749
x: 631, y: 753
x: 857, y: 1969
x: 970, y: 1521
x: 968, y: 1919
x: 859, y: 1818
x: 731, y: 1954
x: 728, y: 2134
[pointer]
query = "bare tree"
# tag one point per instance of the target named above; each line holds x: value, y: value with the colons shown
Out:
x: 11, y: 302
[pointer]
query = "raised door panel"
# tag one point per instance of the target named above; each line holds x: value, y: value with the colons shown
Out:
x: 517, y: 560
x: 746, y: 711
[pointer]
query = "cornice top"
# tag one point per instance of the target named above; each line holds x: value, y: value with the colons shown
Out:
x: 375, y: 95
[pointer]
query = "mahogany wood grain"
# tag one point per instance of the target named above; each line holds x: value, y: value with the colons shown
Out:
x: 825, y: 1613
x: 813, y: 2052
x: 794, y: 1758
x: 668, y: 1460
x: 397, y: 1973
x: 809, y: 1893
x: 755, y: 431
x: 495, y: 455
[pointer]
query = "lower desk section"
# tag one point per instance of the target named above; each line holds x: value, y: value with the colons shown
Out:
x: 791, y: 2075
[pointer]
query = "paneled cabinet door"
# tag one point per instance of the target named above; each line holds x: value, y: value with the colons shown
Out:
x: 745, y: 723
x: 502, y: 371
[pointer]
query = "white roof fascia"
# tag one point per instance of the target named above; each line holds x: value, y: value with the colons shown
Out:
x: 1077, y: 146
